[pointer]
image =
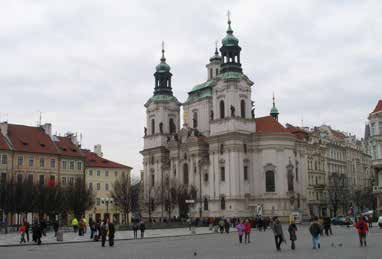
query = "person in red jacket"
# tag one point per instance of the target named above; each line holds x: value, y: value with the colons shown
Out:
x: 362, y: 229
x: 247, y: 231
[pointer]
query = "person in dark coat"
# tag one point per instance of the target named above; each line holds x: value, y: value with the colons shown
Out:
x: 142, y: 227
x: 111, y: 233
x: 92, y: 227
x: 278, y: 233
x: 55, y: 227
x: 226, y: 225
x: 36, y: 232
x: 43, y: 226
x: 315, y: 231
x: 27, y: 228
x: 135, y: 230
x: 292, y: 229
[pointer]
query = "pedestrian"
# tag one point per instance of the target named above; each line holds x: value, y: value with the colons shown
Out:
x: 135, y: 230
x: 226, y: 225
x: 81, y: 227
x: 92, y: 227
x: 370, y: 220
x: 85, y: 221
x: 111, y: 232
x: 75, y: 224
x: 327, y: 226
x: 43, y: 226
x: 362, y: 229
x: 104, y: 231
x: 27, y: 228
x: 221, y: 225
x: 247, y: 231
x: 278, y: 232
x: 259, y: 222
x: 55, y: 227
x: 315, y: 231
x: 292, y: 229
x: 240, y: 231
x: 22, y: 234
x: 142, y: 227
x: 36, y: 232
x: 380, y: 221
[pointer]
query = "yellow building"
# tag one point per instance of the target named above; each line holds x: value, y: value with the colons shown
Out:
x: 100, y: 176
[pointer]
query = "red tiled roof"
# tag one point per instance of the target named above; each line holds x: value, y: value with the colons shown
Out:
x: 93, y: 160
x: 338, y: 134
x: 3, y: 143
x: 269, y: 124
x: 378, y: 108
x: 67, y: 148
x: 298, y: 132
x: 30, y: 139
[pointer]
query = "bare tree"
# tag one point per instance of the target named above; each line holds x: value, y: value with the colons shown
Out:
x: 78, y: 198
x: 153, y: 199
x: 338, y: 191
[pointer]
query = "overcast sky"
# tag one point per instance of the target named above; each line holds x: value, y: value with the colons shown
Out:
x: 88, y: 65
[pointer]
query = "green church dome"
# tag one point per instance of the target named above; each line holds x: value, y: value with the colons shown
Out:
x: 162, y: 67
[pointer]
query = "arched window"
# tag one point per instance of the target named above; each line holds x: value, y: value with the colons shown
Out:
x: 217, y: 71
x: 152, y: 126
x: 270, y: 181
x: 211, y: 75
x: 221, y: 149
x: 222, y: 112
x: 242, y: 108
x: 205, y: 203
x: 152, y: 180
x: 171, y: 126
x: 222, y: 203
x: 195, y: 120
x: 185, y: 173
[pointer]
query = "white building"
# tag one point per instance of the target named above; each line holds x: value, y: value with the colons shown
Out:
x: 238, y: 163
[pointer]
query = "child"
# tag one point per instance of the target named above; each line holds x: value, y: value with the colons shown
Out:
x: 292, y: 233
x: 22, y: 234
x: 247, y: 230
x: 240, y: 230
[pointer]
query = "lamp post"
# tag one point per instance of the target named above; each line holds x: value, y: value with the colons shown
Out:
x: 107, y: 201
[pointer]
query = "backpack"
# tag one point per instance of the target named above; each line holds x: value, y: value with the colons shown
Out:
x: 361, y: 226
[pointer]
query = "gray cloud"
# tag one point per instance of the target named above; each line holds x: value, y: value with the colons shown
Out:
x: 88, y: 65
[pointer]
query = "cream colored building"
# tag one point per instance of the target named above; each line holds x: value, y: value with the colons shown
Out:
x: 100, y: 175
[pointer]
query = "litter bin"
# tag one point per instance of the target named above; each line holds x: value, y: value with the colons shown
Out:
x: 60, y: 235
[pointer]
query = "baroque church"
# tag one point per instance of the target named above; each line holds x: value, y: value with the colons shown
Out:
x: 239, y: 164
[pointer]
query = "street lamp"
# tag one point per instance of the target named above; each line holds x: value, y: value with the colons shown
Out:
x: 107, y: 201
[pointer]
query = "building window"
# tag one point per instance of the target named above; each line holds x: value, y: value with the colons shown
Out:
x: 222, y: 174
x: 41, y: 179
x: 52, y: 178
x: 98, y: 186
x: 20, y: 160
x: 4, y: 159
x: 30, y: 162
x: 106, y: 186
x: 205, y: 203
x: 52, y: 163
x: 211, y: 75
x: 30, y: 178
x: 115, y: 173
x: 217, y: 71
x: 206, y: 177
x: 222, y: 203
x: 171, y: 126
x: 106, y: 173
x: 64, y: 164
x: 245, y: 173
x: 90, y: 172
x: 42, y: 162
x: 63, y: 180
x: 185, y: 173
x: 372, y: 129
x: 98, y: 173
x: 19, y: 178
x: 222, y: 111
x: 152, y: 180
x: 98, y: 201
x: 245, y: 148
x: 270, y: 181
x: 71, y: 165
x: 195, y: 120
x: 71, y: 180
x: 79, y: 165
x: 296, y: 171
x: 91, y: 186
x: 152, y: 127
x: 221, y: 149
x: 242, y: 108
x: 3, y: 177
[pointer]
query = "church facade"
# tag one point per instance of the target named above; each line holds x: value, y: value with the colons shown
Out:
x: 239, y: 165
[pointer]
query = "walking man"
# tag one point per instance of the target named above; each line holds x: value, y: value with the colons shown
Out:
x: 142, y: 228
x: 362, y: 229
x: 278, y: 232
x: 315, y: 231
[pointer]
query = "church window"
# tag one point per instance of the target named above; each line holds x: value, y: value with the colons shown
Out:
x: 242, y: 108
x: 245, y: 173
x: 206, y: 177
x: 296, y: 171
x: 205, y: 203
x: 152, y: 126
x: 211, y: 75
x: 245, y: 148
x: 185, y: 173
x: 270, y: 181
x: 152, y: 180
x: 222, y: 112
x: 221, y: 149
x: 172, y: 126
x: 222, y: 203
x: 195, y: 120
x: 222, y: 174
x: 217, y: 71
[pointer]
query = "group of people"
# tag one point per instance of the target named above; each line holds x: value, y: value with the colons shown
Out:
x: 79, y: 226
x: 38, y: 230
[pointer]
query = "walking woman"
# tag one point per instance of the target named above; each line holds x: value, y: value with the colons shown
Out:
x: 292, y: 229
x: 240, y: 230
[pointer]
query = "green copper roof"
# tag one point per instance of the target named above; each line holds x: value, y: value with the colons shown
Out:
x: 162, y: 67
x: 231, y: 75
x: 201, y: 86
x: 161, y: 97
x: 274, y: 110
x: 230, y: 40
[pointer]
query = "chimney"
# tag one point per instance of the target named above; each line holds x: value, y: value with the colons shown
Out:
x: 73, y: 138
x: 47, y: 127
x: 4, y: 128
x: 98, y: 150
